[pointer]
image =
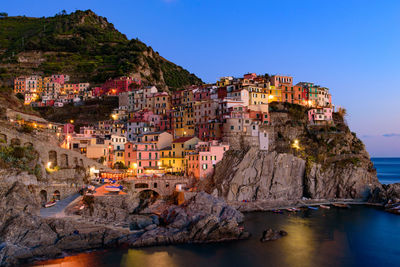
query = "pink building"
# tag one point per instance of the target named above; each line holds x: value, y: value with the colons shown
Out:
x: 320, y: 115
x: 201, y: 163
x: 201, y: 94
x: 140, y: 157
x: 278, y: 80
x: 59, y: 78
x: 68, y: 128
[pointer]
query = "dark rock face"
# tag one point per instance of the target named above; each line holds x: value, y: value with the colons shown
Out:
x: 202, y: 218
x: 261, y: 175
x: 109, y: 209
x: 270, y: 235
x: 24, y: 235
x: 389, y: 195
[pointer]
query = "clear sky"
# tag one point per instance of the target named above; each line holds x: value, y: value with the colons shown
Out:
x: 352, y: 47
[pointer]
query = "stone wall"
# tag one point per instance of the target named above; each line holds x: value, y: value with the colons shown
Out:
x: 68, y: 169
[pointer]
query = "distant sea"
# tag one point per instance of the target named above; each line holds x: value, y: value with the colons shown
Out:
x: 388, y: 169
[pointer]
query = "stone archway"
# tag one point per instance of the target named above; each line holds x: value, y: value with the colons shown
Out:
x: 56, y: 195
x: 52, y: 158
x: 64, y: 161
x: 43, y: 197
x: 28, y: 144
x: 148, y: 193
x: 15, y: 142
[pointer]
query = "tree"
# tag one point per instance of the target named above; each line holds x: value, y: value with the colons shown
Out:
x: 3, y: 14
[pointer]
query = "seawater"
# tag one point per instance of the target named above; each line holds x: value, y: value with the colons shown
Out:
x: 388, y: 169
x: 359, y: 236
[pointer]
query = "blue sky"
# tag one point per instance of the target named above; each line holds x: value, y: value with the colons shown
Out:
x: 352, y: 47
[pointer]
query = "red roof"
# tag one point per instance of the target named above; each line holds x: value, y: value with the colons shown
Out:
x: 182, y: 139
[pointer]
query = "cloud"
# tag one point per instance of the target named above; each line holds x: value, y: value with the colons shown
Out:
x: 391, y: 135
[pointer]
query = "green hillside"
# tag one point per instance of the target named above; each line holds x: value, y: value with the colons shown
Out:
x: 83, y: 45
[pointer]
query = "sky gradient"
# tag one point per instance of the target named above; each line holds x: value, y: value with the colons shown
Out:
x: 351, y: 47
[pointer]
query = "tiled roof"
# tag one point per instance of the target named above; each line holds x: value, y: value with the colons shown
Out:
x: 182, y: 139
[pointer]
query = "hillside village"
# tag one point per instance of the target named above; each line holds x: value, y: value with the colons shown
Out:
x: 185, y: 132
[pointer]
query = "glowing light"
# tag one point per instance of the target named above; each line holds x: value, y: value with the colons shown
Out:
x: 159, y: 163
x: 296, y: 144
x: 114, y: 116
x: 134, y: 165
x: 49, y: 165
x: 71, y: 121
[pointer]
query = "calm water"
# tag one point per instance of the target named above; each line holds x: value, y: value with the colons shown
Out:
x: 388, y: 169
x: 360, y: 236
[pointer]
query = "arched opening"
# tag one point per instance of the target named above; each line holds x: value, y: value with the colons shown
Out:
x: 64, y: 161
x: 141, y: 185
x: 28, y: 144
x: 56, y: 195
x: 155, y: 185
x: 76, y: 162
x: 3, y: 139
x: 43, y: 197
x: 15, y: 142
x: 149, y: 194
x: 52, y: 159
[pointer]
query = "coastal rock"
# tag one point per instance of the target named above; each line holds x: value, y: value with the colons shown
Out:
x: 109, y: 209
x: 260, y: 175
x: 270, y: 235
x: 338, y: 181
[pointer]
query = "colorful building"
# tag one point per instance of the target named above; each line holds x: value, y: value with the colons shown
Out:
x: 202, y: 161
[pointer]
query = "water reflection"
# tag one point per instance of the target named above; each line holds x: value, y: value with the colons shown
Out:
x: 336, y: 237
x: 140, y: 258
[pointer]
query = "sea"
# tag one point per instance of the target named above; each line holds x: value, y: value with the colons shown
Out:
x: 359, y: 236
x: 388, y: 169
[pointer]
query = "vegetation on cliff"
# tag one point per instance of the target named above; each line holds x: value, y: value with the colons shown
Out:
x: 84, y: 45
x: 90, y: 111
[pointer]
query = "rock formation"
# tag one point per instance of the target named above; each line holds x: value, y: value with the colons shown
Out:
x: 24, y: 235
x: 330, y: 162
x: 271, y: 235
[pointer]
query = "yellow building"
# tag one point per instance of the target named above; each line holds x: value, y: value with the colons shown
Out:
x: 224, y: 81
x: 258, y: 95
x: 275, y: 94
x: 173, y: 158
x: 119, y: 156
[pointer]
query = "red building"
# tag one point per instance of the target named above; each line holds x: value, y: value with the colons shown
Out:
x: 118, y: 85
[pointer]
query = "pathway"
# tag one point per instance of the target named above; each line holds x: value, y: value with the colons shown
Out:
x: 57, y: 210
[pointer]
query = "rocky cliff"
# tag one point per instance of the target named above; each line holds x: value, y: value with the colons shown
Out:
x: 25, y: 235
x: 329, y: 162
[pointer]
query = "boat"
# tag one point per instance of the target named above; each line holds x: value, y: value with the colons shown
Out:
x: 341, y: 205
x: 293, y: 209
x: 50, y: 204
x: 277, y: 211
x: 312, y: 208
x: 324, y: 207
x: 112, y: 188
